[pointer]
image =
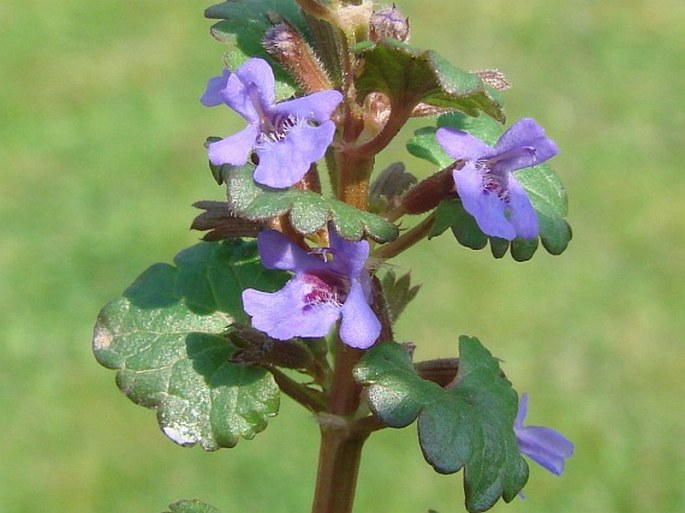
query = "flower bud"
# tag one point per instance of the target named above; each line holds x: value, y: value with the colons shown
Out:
x: 427, y: 194
x: 219, y: 223
x: 287, y: 45
x: 389, y: 22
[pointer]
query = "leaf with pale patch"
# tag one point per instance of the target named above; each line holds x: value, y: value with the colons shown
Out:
x: 166, y: 339
x: 191, y: 506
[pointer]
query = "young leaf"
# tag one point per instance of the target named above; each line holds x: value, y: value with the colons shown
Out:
x: 398, y: 293
x: 544, y: 188
x: 469, y: 425
x: 191, y: 506
x: 165, y: 337
x: 242, y: 29
x: 389, y: 186
x: 217, y: 221
x: 409, y: 76
x: 424, y: 145
x: 307, y: 210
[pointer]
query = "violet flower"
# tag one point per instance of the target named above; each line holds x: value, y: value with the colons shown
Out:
x: 545, y: 446
x: 486, y: 185
x: 326, y: 286
x: 287, y: 137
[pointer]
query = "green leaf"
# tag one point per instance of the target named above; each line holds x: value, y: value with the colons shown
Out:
x: 242, y: 30
x: 166, y: 339
x: 545, y: 190
x: 451, y: 214
x: 409, y: 76
x: 547, y: 194
x: 307, y: 210
x: 469, y: 425
x: 191, y: 506
x: 424, y: 145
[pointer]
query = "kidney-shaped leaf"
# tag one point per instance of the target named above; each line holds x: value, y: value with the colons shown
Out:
x: 165, y: 337
x: 468, y: 425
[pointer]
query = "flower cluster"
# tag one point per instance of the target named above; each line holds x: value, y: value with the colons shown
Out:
x: 287, y: 137
x: 332, y: 286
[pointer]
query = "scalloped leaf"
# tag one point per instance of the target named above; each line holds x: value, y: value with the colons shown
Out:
x: 409, y: 76
x: 469, y: 425
x: 545, y: 190
x: 307, y: 210
x: 191, y: 506
x: 166, y: 339
x: 242, y: 29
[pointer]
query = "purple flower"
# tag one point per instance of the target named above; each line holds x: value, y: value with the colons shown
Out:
x: 287, y: 137
x: 546, y: 447
x: 486, y: 185
x: 327, y: 285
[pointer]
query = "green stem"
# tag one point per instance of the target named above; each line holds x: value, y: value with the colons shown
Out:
x: 311, y: 399
x: 341, y: 443
x: 394, y: 248
x: 339, y: 459
x: 345, y: 392
x: 353, y: 178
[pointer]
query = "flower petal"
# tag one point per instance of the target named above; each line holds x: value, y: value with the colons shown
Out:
x: 278, y: 252
x: 234, y: 149
x: 526, y: 132
x: 257, y: 72
x: 317, y: 106
x: 522, y: 215
x: 522, y: 411
x: 360, y: 327
x: 349, y: 257
x: 284, y: 314
x: 486, y: 207
x: 284, y: 163
x: 212, y: 95
x: 237, y: 95
x: 545, y: 446
x: 461, y: 145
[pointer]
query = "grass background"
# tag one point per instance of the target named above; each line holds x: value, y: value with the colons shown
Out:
x: 101, y: 155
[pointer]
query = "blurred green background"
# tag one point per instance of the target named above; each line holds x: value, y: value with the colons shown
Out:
x: 101, y: 156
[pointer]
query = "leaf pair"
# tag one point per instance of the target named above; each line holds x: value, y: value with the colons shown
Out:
x: 468, y: 425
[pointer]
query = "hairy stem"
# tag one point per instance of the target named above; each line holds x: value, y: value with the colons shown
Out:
x: 399, y: 114
x: 394, y: 248
x: 310, y: 399
x: 339, y: 459
x: 341, y: 443
x: 315, y: 9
